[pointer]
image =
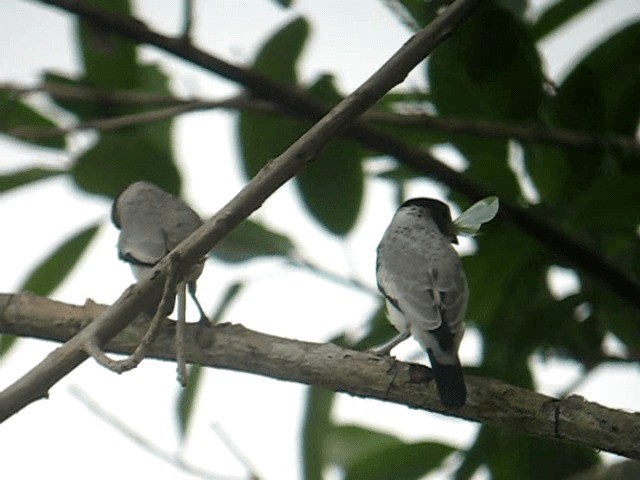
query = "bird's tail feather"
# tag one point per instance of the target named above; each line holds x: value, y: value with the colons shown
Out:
x: 450, y: 382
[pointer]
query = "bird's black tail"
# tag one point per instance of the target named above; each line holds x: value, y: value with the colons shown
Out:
x: 450, y: 382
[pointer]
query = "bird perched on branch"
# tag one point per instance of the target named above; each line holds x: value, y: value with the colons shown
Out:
x: 420, y: 275
x: 152, y: 222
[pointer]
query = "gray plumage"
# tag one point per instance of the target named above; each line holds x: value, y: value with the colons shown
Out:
x: 153, y: 222
x: 420, y: 274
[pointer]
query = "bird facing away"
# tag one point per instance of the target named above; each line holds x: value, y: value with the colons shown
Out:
x: 420, y: 275
x: 152, y: 222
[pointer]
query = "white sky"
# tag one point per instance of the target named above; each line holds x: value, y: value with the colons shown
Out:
x: 261, y: 415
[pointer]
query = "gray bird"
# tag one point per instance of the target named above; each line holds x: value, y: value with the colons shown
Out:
x: 152, y: 222
x: 420, y: 275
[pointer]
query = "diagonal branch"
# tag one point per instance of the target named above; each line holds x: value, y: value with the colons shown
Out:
x: 293, y: 99
x: 233, y: 347
x: 146, y: 293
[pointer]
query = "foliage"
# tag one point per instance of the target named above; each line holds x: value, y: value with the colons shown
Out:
x: 489, y: 70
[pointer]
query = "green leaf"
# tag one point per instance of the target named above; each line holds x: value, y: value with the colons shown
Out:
x: 263, y: 137
x: 7, y: 342
x: 46, y: 277
x: 109, y: 59
x: 251, y: 240
x: 123, y: 157
x: 332, y: 187
x: 315, y: 428
x: 557, y: 15
x: 279, y: 55
x: 537, y: 458
x: 24, y: 177
x: 488, y: 69
x: 498, y: 267
x: 16, y: 114
x: 369, y: 455
x: 609, y: 203
x: 605, y: 76
x: 284, y: 3
x: 186, y: 400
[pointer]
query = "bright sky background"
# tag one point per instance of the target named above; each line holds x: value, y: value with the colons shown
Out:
x: 260, y: 415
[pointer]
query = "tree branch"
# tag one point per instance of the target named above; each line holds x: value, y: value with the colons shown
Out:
x: 146, y: 293
x: 294, y: 99
x: 363, y: 374
x: 558, y: 137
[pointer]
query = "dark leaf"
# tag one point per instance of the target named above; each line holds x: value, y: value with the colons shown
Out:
x: 187, y: 399
x: 316, y: 426
x: 104, y: 53
x: 367, y: 454
x: 611, y: 203
x: 263, y: 137
x: 16, y: 114
x: 46, y: 277
x: 251, y: 240
x: 279, y: 55
x: 284, y: 3
x: 333, y: 185
x: 7, y: 342
x: 509, y: 455
x: 488, y: 69
x: 24, y: 177
x: 557, y: 15
x: 125, y: 156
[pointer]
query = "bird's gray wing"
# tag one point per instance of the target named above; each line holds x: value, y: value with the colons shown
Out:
x: 178, y: 221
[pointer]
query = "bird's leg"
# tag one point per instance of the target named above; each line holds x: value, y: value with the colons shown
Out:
x: 385, y: 349
x: 181, y: 334
x: 204, y: 320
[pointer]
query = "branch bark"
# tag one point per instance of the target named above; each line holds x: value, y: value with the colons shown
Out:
x: 363, y: 374
x: 146, y: 293
x: 295, y: 100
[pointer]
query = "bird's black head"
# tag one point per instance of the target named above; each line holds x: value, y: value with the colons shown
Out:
x: 439, y: 212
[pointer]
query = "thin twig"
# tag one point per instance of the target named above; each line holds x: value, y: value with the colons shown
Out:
x: 180, y: 334
x: 172, y: 459
x: 319, y: 270
x: 235, y: 451
x: 559, y: 137
x: 187, y: 25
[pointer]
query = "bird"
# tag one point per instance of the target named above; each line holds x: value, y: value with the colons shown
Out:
x: 152, y: 222
x: 421, y: 277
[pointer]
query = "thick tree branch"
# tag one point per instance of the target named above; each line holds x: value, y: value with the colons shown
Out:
x: 146, y: 293
x: 293, y: 99
x: 362, y: 374
x: 559, y: 137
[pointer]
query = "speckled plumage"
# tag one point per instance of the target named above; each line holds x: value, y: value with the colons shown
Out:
x: 421, y: 276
